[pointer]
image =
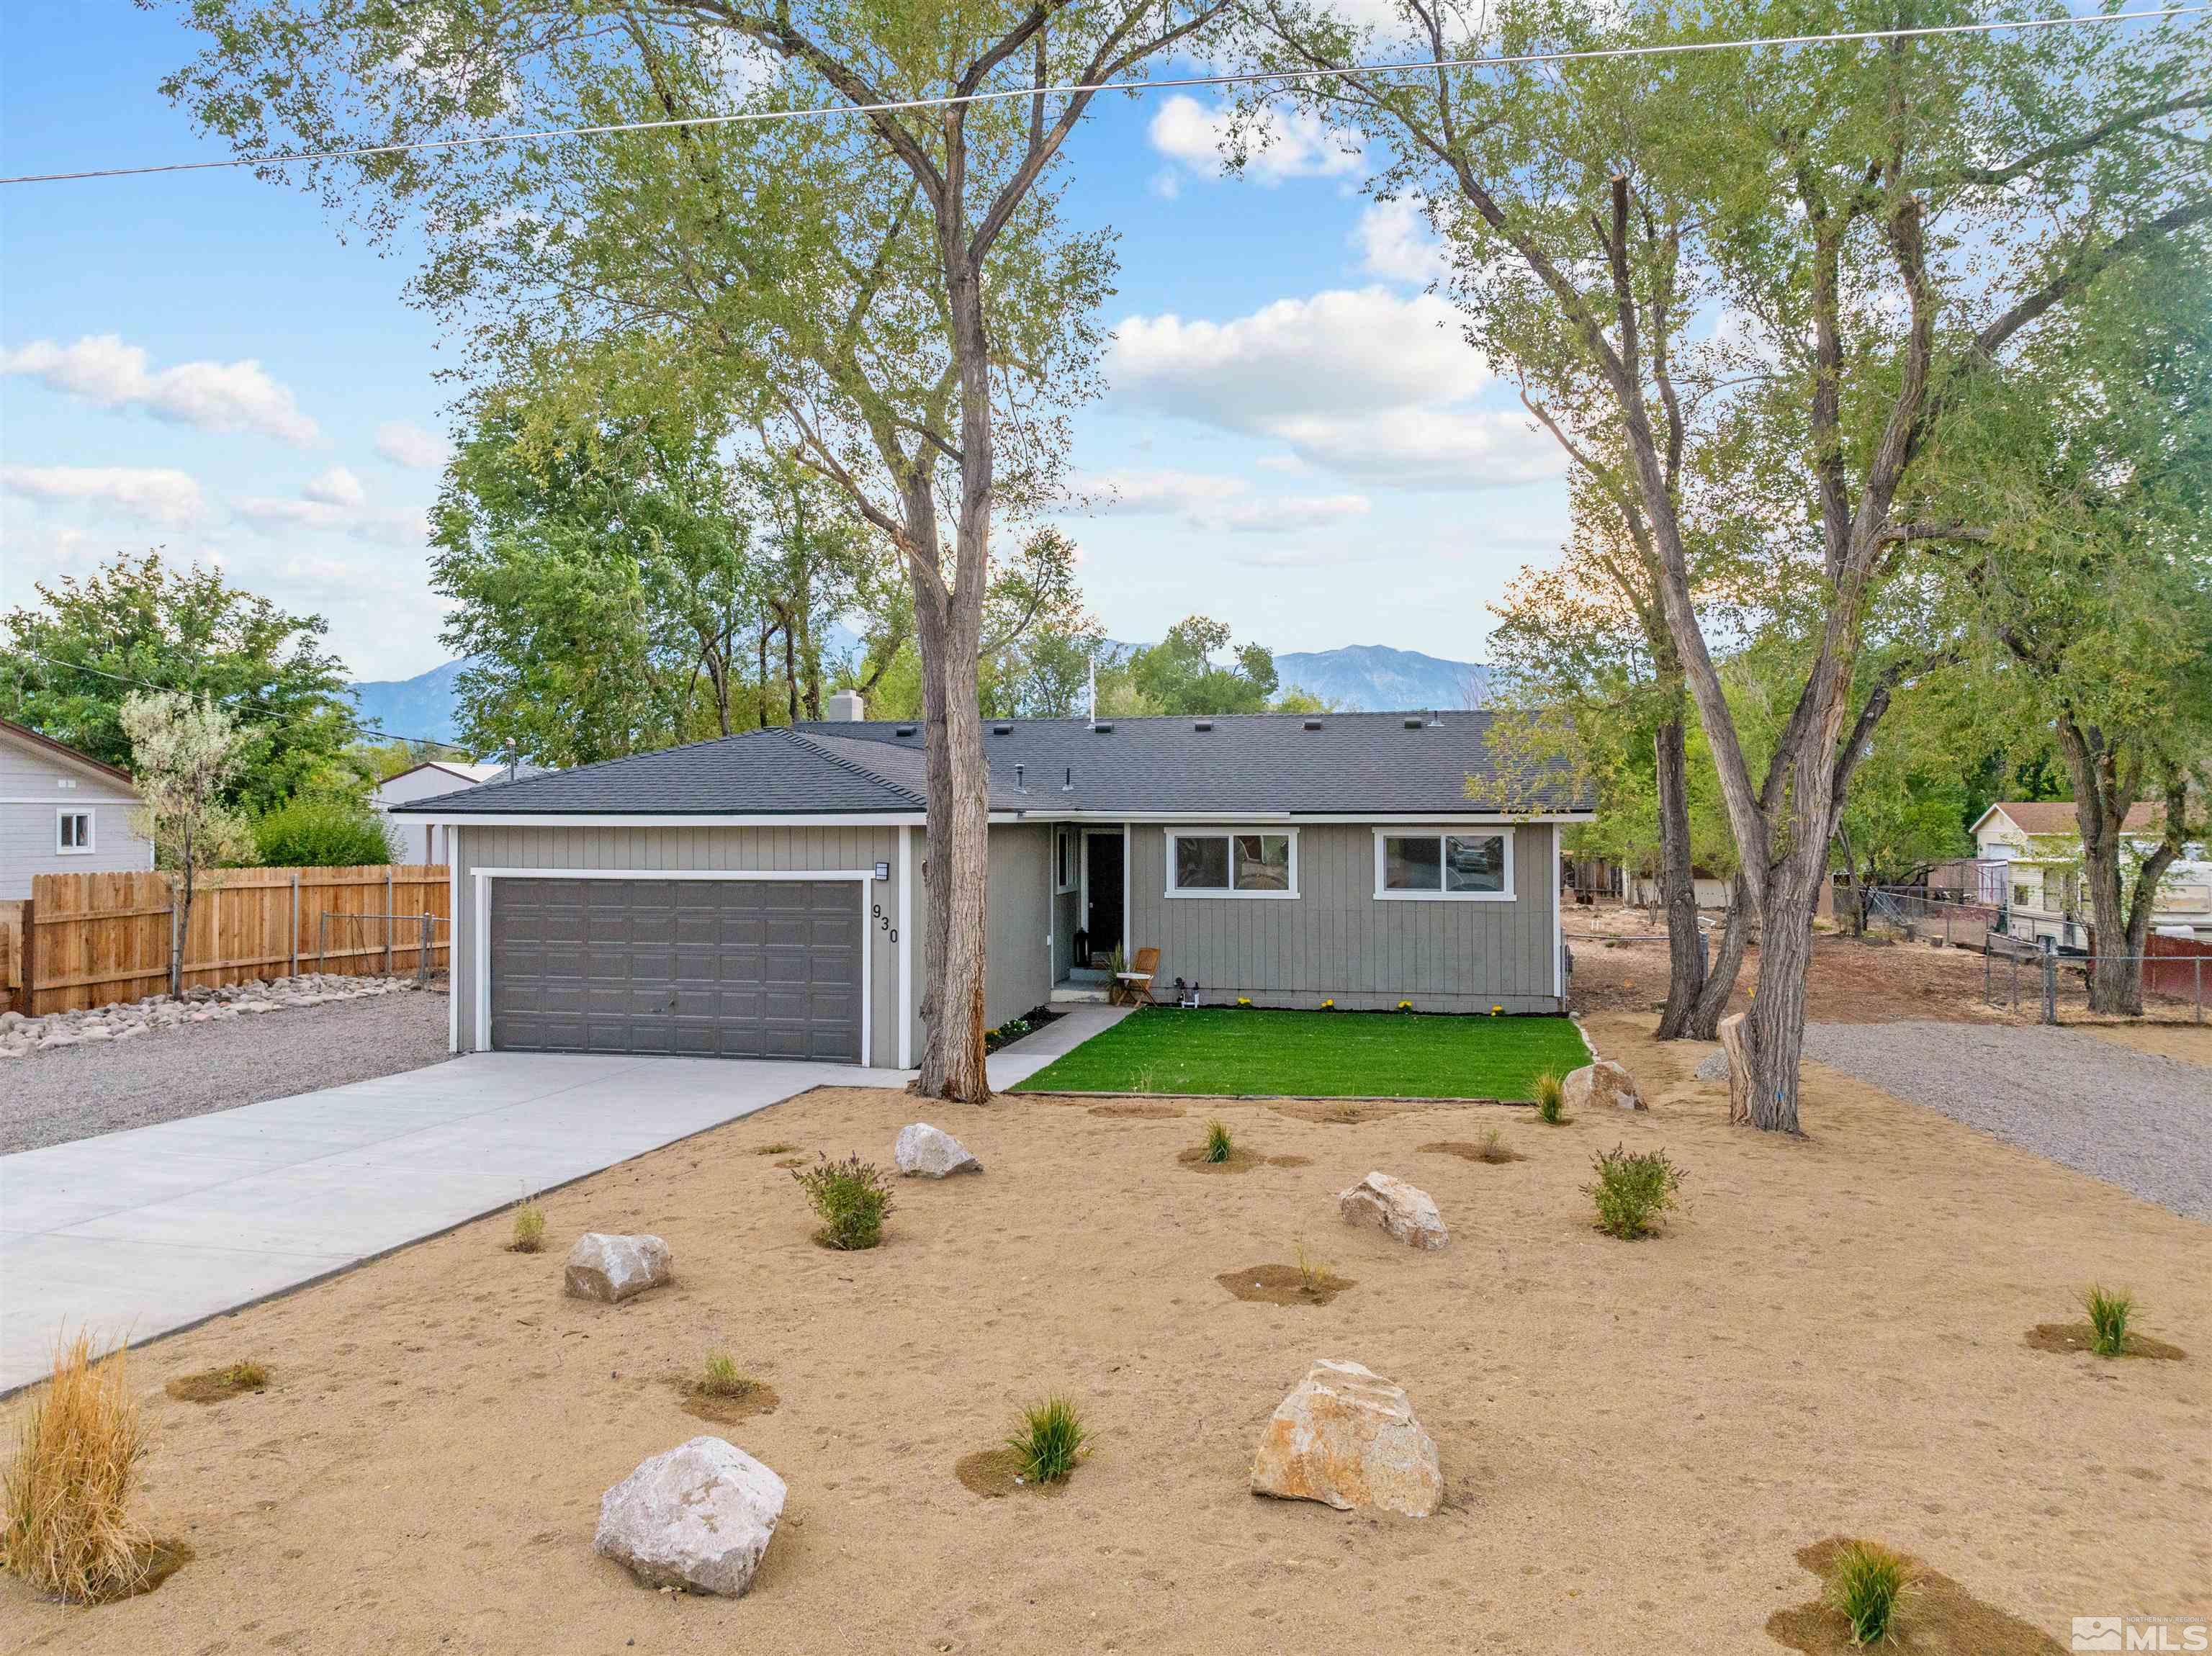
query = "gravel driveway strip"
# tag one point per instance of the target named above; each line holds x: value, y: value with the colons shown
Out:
x: 76, y: 1092
x: 2135, y: 1119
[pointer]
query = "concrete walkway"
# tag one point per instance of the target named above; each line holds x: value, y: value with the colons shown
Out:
x: 137, y: 1233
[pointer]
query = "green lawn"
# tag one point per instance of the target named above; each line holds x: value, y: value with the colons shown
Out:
x: 1315, y: 1055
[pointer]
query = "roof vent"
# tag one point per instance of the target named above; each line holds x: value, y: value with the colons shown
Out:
x: 1103, y: 729
x: 1067, y: 782
x: 1002, y: 729
x: 1313, y: 724
x: 903, y: 730
x: 1203, y: 724
x: 1019, y: 785
x: 1415, y: 723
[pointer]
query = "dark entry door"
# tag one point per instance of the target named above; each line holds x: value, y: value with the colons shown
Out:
x: 1103, y: 868
x: 728, y: 969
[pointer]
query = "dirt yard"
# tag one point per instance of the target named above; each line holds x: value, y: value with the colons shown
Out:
x: 1851, y: 982
x: 1637, y: 1438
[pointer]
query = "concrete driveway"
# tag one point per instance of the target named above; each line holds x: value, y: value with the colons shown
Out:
x: 132, y: 1235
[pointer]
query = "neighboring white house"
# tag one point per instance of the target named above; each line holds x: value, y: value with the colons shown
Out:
x: 422, y: 842
x: 61, y: 812
x: 2031, y: 853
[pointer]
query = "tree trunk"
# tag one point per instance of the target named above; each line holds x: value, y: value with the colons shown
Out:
x: 1775, y: 1028
x: 1720, y: 980
x: 1685, y: 952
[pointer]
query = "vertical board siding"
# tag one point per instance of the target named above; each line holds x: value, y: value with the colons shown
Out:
x: 1337, y: 940
x: 792, y: 850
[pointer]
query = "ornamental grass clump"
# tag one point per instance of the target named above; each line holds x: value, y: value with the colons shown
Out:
x: 1634, y: 1189
x: 1220, y: 1147
x: 2109, y: 1315
x: 851, y: 1197
x: 1550, y: 1098
x: 722, y: 1378
x: 68, y: 1527
x: 1051, y: 1442
x: 529, y: 1230
x: 1867, y: 1586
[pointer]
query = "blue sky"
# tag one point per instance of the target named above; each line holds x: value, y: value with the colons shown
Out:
x: 1295, y: 440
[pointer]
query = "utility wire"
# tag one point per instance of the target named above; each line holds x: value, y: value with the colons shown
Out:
x: 249, y: 696
x: 1071, y: 89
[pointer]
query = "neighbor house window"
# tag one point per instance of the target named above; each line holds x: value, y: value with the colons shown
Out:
x: 1477, y: 865
x: 1231, y: 864
x: 74, y: 833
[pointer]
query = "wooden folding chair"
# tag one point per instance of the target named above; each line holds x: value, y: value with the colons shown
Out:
x: 1135, y: 987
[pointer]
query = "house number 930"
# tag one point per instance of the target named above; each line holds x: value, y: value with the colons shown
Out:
x: 884, y: 922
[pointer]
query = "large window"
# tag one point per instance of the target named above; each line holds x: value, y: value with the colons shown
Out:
x: 73, y: 831
x: 1202, y: 862
x: 1475, y: 866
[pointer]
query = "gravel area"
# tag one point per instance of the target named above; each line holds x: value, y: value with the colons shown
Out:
x: 2140, y: 1121
x: 76, y: 1092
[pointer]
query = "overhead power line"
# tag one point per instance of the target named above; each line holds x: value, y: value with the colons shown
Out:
x: 359, y: 152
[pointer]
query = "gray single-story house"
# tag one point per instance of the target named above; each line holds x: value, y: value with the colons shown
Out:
x: 758, y: 896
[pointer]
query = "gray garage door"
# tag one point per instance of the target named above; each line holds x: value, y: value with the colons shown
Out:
x: 716, y: 968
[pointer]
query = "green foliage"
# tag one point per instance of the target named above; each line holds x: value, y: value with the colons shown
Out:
x: 1551, y: 1092
x: 1867, y: 1584
x: 68, y: 665
x: 852, y: 1197
x: 1178, y: 675
x: 529, y: 1232
x: 1634, y: 1190
x: 1051, y: 1441
x: 2108, y: 1315
x: 720, y: 1377
x: 185, y: 755
x: 1220, y: 1147
x: 321, y: 832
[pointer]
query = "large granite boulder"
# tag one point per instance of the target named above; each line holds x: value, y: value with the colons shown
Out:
x: 612, y: 1268
x: 1403, y: 1211
x: 1346, y: 1436
x: 1601, y: 1084
x: 927, y: 1152
x: 698, y: 1517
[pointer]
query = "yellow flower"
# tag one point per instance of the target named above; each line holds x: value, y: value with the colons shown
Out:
x: 1497, y: 1012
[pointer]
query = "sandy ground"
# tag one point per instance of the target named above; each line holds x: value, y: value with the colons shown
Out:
x: 1637, y: 1438
x: 1851, y: 982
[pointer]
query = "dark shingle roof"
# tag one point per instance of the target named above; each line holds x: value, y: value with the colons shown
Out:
x: 1365, y: 764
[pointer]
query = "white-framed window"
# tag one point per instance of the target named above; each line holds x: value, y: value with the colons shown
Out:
x: 1469, y: 864
x: 72, y: 832
x: 1066, y: 859
x: 1232, y: 862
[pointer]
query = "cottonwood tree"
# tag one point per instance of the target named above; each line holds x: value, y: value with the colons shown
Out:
x: 184, y: 753
x: 2076, y: 502
x: 1876, y: 226
x: 892, y: 286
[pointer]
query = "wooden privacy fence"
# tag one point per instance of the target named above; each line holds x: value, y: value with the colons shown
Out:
x: 93, y: 939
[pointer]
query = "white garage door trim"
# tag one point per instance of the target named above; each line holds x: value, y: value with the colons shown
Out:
x: 863, y: 877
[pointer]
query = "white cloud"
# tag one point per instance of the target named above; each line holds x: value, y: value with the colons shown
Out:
x: 334, y: 502
x: 158, y: 495
x: 221, y: 396
x: 1395, y: 244
x: 1369, y: 383
x: 1214, y: 502
x: 406, y: 444
x: 1286, y: 144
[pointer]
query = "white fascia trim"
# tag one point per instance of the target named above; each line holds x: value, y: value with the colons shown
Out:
x: 862, y: 877
x: 1423, y: 830
x: 857, y: 819
x: 1227, y: 829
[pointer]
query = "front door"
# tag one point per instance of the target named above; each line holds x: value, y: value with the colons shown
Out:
x: 1102, y: 879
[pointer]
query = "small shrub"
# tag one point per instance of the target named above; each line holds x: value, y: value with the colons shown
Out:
x: 1551, y: 1097
x: 1867, y: 1585
x: 851, y: 1197
x: 1633, y: 1189
x: 68, y: 1528
x: 529, y: 1228
x: 2109, y: 1313
x: 721, y: 1378
x: 247, y: 1376
x: 321, y: 832
x: 1220, y: 1147
x: 1313, y: 1274
x: 1051, y: 1442
x: 778, y: 1149
x: 1493, y: 1147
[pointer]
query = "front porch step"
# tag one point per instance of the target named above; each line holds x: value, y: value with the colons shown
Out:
x: 1080, y: 994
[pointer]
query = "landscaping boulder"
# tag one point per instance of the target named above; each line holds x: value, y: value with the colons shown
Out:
x: 1602, y: 1083
x: 699, y: 1517
x: 1348, y: 1437
x: 927, y: 1152
x: 1402, y: 1210
x: 1714, y: 1068
x: 612, y: 1268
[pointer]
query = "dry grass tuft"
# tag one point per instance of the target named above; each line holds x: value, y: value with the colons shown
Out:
x: 69, y: 1529
x: 1494, y: 1149
x: 774, y: 1149
x: 529, y: 1228
x: 217, y: 1384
